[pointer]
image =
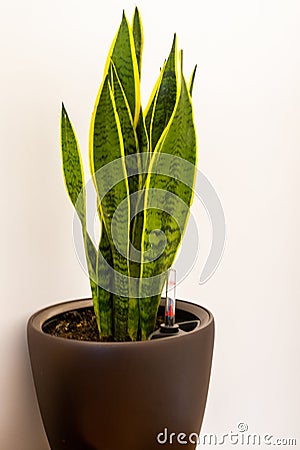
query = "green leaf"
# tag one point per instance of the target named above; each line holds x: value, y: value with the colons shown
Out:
x: 72, y: 165
x: 129, y: 136
x: 192, y: 79
x: 180, y: 143
x: 141, y: 132
x: 138, y: 36
x: 167, y: 200
x: 144, y: 149
x: 111, y: 182
x: 137, y: 223
x: 74, y: 179
x: 163, y: 103
x: 131, y: 147
x: 148, y: 113
x: 123, y: 54
x: 104, y: 304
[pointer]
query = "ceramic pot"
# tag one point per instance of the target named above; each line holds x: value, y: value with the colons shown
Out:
x: 126, y: 395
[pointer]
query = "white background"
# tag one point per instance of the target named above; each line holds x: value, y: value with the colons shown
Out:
x: 247, y: 112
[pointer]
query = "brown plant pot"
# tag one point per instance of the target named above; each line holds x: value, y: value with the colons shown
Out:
x: 121, y: 396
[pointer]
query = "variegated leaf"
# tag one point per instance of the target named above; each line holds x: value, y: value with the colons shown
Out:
x: 123, y: 55
x: 107, y: 156
x: 138, y: 36
x: 162, y: 106
x: 74, y: 179
x: 168, y: 199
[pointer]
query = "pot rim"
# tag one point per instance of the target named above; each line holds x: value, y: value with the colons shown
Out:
x: 37, y: 320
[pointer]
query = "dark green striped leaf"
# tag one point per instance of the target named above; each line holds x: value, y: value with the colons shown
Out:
x: 104, y: 305
x: 131, y: 147
x: 124, y: 57
x: 72, y: 165
x: 168, y: 199
x: 129, y: 136
x: 74, y: 179
x: 138, y: 37
x: 108, y: 147
x: 151, y: 103
x: 162, y: 107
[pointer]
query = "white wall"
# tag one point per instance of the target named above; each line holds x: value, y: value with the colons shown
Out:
x: 247, y: 101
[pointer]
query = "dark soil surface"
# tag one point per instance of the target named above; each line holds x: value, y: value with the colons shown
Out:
x: 79, y: 324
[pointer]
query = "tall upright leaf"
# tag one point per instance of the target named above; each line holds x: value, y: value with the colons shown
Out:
x: 108, y: 147
x: 167, y: 223
x: 131, y: 147
x: 105, y: 285
x: 163, y: 103
x: 74, y: 179
x: 124, y: 57
x: 129, y: 136
x: 138, y: 37
x: 148, y: 113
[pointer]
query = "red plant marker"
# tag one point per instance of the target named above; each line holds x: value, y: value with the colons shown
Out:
x: 170, y: 298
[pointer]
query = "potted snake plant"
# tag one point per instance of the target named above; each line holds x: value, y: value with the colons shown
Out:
x: 110, y: 386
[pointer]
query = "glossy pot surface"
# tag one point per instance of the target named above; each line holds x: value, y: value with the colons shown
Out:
x: 122, y: 396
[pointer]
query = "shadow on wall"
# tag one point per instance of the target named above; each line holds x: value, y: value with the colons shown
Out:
x: 25, y: 429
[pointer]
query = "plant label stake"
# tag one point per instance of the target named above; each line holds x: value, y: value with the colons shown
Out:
x: 170, y: 328
x: 170, y: 306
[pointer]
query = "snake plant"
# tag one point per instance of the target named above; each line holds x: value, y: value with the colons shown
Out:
x: 143, y: 166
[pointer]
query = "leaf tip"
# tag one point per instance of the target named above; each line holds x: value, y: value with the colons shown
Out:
x: 192, y: 79
x: 195, y: 70
x: 124, y: 22
x: 174, y: 40
x: 64, y: 114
